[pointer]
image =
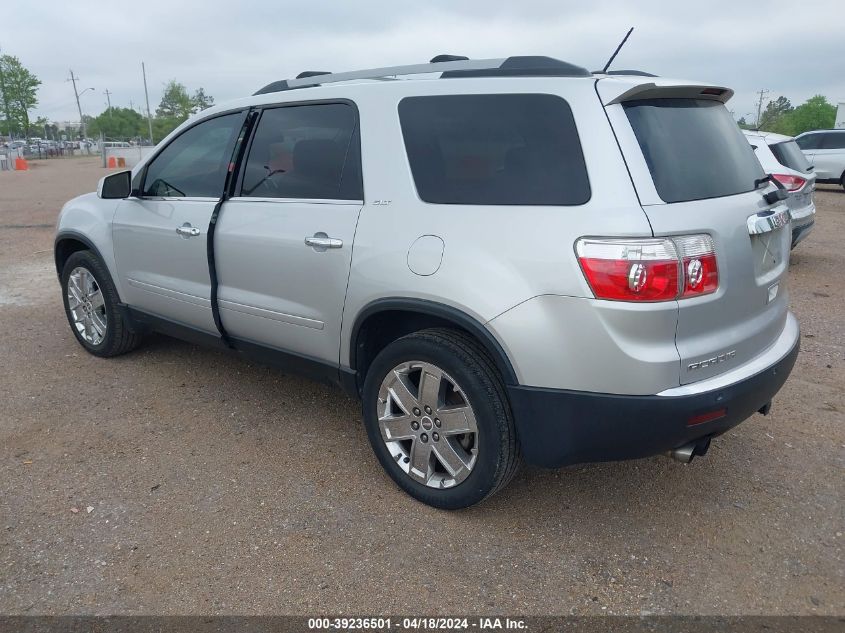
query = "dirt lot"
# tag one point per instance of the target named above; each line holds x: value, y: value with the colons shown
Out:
x: 207, y: 485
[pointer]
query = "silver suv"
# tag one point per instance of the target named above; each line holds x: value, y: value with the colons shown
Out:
x: 506, y: 260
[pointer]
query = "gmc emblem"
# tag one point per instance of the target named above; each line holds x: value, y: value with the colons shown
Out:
x: 721, y: 358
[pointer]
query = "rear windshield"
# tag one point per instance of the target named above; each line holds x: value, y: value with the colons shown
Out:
x: 789, y: 155
x: 495, y: 149
x: 693, y: 148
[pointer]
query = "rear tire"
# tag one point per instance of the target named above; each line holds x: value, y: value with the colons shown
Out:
x: 438, y: 419
x: 91, y: 305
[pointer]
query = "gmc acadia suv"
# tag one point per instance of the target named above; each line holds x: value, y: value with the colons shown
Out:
x: 504, y: 259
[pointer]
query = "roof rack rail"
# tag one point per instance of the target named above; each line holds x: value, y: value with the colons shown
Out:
x: 437, y: 59
x: 533, y: 66
x: 507, y: 67
x: 637, y: 73
x: 312, y: 73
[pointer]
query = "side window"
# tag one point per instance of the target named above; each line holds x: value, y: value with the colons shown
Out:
x: 305, y: 151
x: 194, y: 164
x: 834, y: 140
x: 496, y: 149
x: 810, y: 141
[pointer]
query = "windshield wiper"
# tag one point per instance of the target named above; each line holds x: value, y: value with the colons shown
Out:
x: 767, y: 178
x: 773, y: 196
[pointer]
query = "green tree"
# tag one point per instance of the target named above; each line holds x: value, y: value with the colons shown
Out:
x: 176, y: 106
x: 19, y: 88
x: 774, y: 111
x: 201, y: 100
x: 39, y: 128
x: 162, y: 126
x: 117, y: 123
x: 814, y: 114
x: 7, y: 127
x: 175, y: 102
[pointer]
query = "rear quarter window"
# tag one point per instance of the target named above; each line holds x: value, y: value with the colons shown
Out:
x: 790, y: 155
x: 497, y: 149
x: 809, y: 141
x: 693, y: 148
x: 834, y: 140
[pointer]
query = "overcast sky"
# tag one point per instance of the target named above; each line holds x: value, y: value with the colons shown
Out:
x: 233, y: 48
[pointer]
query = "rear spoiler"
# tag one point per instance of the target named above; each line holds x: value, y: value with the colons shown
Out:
x: 650, y: 90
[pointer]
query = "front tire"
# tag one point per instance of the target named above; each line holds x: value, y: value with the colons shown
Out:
x: 91, y: 305
x: 438, y: 419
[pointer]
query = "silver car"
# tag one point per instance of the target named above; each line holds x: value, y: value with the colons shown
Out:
x: 506, y: 260
x: 781, y: 157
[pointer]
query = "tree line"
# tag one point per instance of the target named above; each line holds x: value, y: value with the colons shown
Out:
x: 780, y: 116
x: 19, y: 97
x: 175, y: 107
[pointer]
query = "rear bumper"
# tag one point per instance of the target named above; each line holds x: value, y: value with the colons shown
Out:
x: 560, y: 427
x: 802, y: 222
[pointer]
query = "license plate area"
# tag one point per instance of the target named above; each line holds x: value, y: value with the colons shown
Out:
x: 770, y: 253
x: 802, y: 199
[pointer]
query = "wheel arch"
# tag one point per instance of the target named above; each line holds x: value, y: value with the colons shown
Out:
x: 383, y: 321
x: 69, y: 242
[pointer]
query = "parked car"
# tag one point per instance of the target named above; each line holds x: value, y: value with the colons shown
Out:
x: 516, y: 260
x: 825, y: 150
x: 782, y: 158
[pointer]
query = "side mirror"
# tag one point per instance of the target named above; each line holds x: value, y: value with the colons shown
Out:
x: 115, y: 186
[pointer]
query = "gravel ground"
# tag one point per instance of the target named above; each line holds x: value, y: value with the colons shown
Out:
x: 207, y: 485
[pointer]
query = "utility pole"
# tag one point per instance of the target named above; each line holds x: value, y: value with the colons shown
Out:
x: 762, y: 94
x: 108, y: 98
x: 78, y: 107
x: 147, y: 96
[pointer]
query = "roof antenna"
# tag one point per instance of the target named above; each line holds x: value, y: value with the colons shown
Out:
x: 618, y: 48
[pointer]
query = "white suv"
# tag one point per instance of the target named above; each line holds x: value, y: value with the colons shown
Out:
x: 781, y: 157
x: 505, y: 259
x: 825, y: 150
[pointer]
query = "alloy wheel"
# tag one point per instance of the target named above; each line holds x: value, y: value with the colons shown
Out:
x: 428, y: 424
x: 86, y: 305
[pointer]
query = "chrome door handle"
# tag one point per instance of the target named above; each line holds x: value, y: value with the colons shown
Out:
x: 321, y: 242
x: 186, y: 230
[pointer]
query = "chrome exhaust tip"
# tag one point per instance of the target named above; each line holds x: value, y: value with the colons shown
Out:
x: 683, y: 454
x: 687, y: 452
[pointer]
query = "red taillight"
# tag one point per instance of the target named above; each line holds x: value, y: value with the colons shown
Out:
x: 792, y: 183
x: 700, y: 272
x: 632, y: 281
x: 649, y: 269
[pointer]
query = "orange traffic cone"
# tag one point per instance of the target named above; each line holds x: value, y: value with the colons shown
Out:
x: 21, y: 164
x: 121, y: 162
x: 112, y: 162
